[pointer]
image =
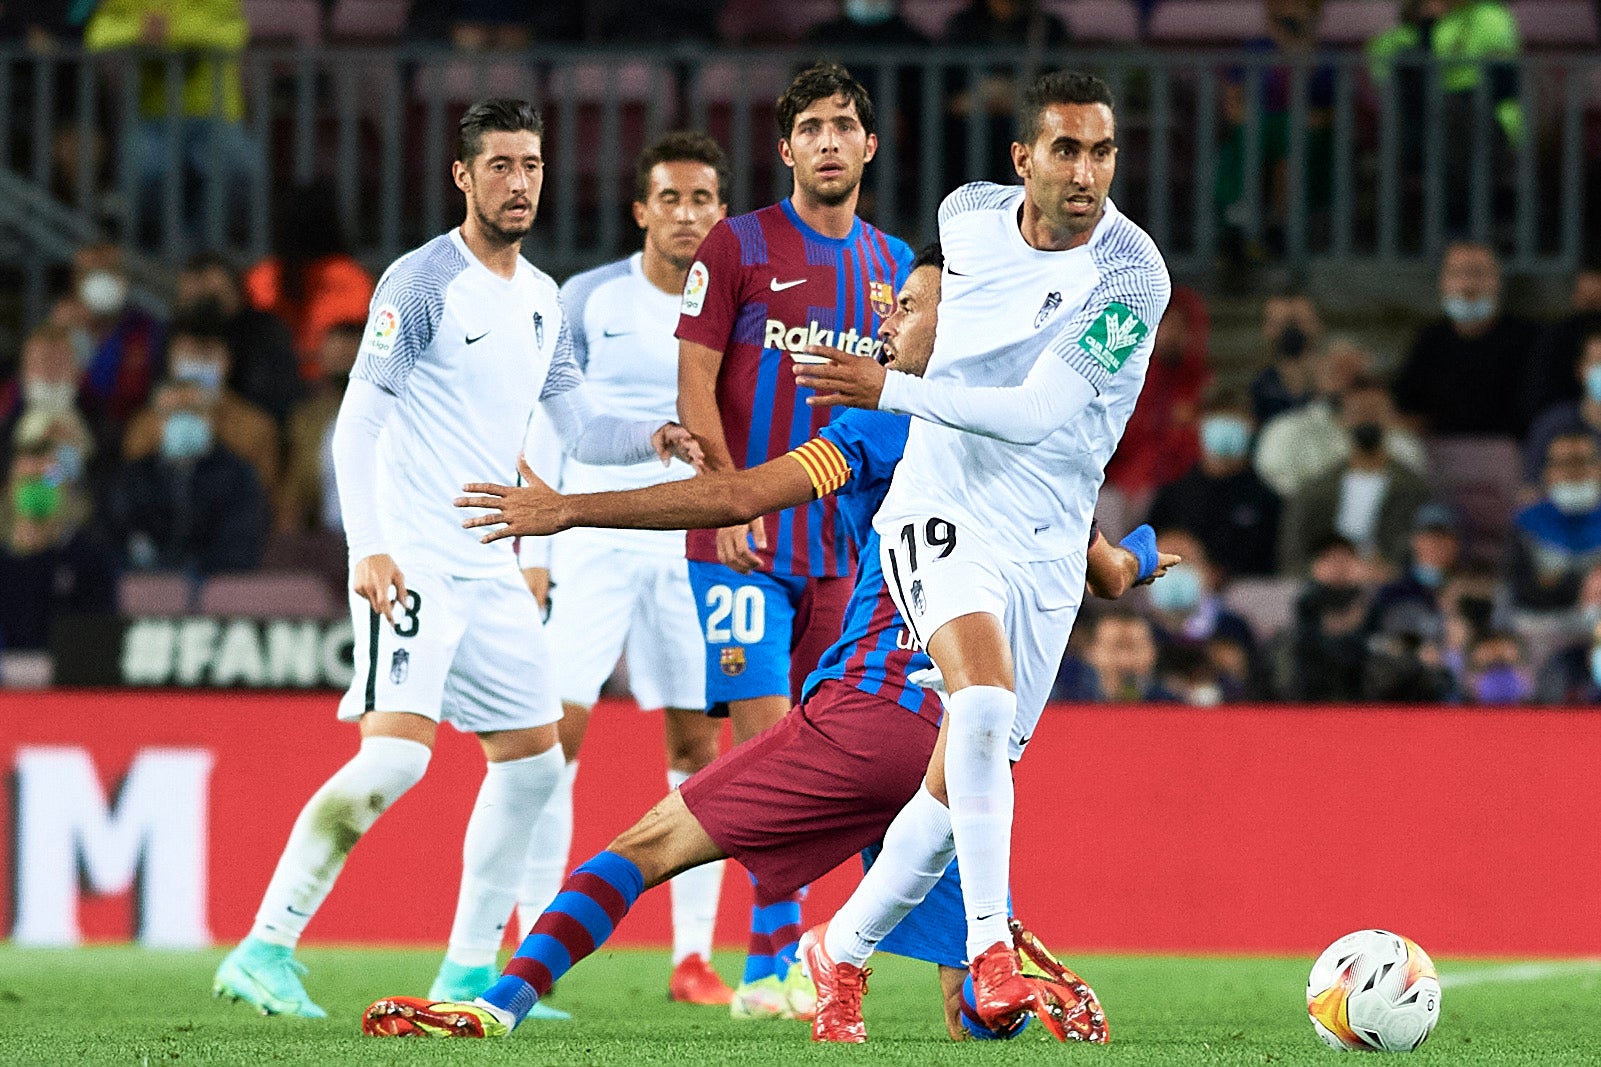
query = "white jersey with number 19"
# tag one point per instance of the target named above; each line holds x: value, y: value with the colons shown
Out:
x: 1004, y: 306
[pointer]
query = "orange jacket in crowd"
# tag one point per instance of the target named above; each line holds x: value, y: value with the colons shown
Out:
x: 338, y: 289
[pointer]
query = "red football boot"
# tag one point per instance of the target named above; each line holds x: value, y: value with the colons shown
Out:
x: 1069, y: 1008
x: 840, y: 988
x: 421, y: 1017
x: 694, y: 982
x: 1000, y: 992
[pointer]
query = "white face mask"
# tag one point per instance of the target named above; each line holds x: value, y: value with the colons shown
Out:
x: 103, y: 292
x: 1575, y: 498
x: 49, y: 396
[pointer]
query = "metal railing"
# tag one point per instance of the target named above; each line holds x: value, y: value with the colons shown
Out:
x: 1222, y: 154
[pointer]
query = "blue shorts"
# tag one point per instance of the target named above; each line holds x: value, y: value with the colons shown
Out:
x: 747, y: 622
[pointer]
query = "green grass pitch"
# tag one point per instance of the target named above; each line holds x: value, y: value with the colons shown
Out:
x: 142, y: 1008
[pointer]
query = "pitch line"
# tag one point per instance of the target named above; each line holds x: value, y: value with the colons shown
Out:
x: 1519, y: 972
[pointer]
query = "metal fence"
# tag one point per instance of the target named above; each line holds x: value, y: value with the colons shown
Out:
x: 1223, y: 155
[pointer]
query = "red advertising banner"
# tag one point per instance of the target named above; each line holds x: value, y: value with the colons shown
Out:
x: 160, y: 815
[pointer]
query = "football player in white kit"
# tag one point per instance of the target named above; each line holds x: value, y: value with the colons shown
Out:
x: 629, y: 589
x: 1051, y: 298
x: 464, y: 339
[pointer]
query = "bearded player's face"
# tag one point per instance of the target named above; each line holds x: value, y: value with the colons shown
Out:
x: 1068, y: 169
x: 828, y: 147
x: 503, y: 181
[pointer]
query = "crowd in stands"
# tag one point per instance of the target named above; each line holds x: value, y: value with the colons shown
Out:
x: 1433, y: 536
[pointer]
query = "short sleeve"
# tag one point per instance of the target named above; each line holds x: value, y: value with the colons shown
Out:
x: 871, y: 443
x: 405, y: 311
x: 1118, y: 320
x: 975, y: 196
x: 564, y: 373
x: 711, y: 291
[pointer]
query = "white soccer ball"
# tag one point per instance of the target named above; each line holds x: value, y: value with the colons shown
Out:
x: 1373, y: 991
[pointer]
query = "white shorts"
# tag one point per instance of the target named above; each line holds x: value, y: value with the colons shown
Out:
x: 608, y: 602
x: 1036, y: 603
x: 467, y: 651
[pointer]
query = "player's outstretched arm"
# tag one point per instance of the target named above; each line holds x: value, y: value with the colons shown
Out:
x: 1115, y: 569
x: 698, y: 366
x: 717, y: 499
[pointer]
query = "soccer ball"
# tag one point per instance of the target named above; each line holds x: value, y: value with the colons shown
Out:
x: 1373, y: 991
x: 975, y: 1026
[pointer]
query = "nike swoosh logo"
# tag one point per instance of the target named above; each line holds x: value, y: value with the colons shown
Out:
x: 292, y: 910
x: 956, y: 273
x: 615, y: 333
x: 778, y: 287
x: 480, y: 337
x: 981, y: 918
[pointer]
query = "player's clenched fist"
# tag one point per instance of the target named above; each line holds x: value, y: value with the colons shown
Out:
x: 672, y: 440
x: 373, y: 579
x: 531, y: 510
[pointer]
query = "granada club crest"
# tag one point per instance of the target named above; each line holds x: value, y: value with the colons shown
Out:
x: 399, y: 667
x: 882, y: 296
x: 732, y: 660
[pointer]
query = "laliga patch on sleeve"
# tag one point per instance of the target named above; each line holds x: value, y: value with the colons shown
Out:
x: 382, y: 330
x: 1113, y: 337
x: 695, y: 289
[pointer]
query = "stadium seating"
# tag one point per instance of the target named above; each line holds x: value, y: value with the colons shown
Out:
x: 141, y: 593
x: 1558, y: 23
x: 1268, y: 604
x: 1211, y: 22
x: 1098, y: 21
x: 368, y: 20
x: 284, y: 21
x: 269, y: 596
x: 1479, y: 477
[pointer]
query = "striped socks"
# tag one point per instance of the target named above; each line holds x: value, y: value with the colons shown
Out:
x: 591, y: 903
x: 775, y: 929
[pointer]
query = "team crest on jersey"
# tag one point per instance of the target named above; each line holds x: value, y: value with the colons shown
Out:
x: 1113, y: 337
x: 383, y: 330
x: 882, y: 296
x: 539, y: 330
x: 1047, y: 309
x: 732, y: 661
x: 919, y: 605
x: 695, y: 289
x: 399, y: 666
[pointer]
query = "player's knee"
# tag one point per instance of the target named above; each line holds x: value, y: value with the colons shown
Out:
x: 363, y: 789
x: 664, y: 842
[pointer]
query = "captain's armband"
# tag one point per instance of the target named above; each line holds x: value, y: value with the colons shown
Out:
x: 824, y: 464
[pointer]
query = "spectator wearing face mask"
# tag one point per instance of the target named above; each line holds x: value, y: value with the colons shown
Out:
x: 1369, y: 500
x: 1310, y: 440
x: 1191, y: 615
x: 47, y: 381
x: 1561, y: 344
x: 1572, y: 674
x: 1557, y: 539
x: 1162, y: 439
x: 1221, y: 499
x: 1411, y: 602
x: 1323, y: 655
x: 307, y: 499
x: 48, y: 559
x: 263, y: 369
x: 198, y: 354
x: 1119, y: 664
x: 117, y: 344
x: 1498, y: 672
x: 1568, y: 416
x: 1292, y: 330
x: 192, y: 505
x: 1465, y: 374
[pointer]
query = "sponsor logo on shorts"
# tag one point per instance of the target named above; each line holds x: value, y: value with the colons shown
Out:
x: 732, y: 661
x: 695, y: 289
x: 906, y: 642
x: 1113, y: 337
x: 882, y: 296
x: 1047, y: 309
x: 399, y: 666
x: 918, y: 603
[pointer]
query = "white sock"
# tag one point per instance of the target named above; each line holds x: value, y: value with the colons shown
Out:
x: 978, y: 780
x: 694, y: 894
x: 917, y: 849
x: 495, y: 850
x: 548, y: 852
x: 329, y: 826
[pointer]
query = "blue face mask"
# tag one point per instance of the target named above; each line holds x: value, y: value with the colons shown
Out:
x: 201, y: 372
x: 185, y: 436
x: 1177, y: 590
x: 1500, y: 685
x: 869, y: 12
x: 1575, y: 498
x: 1592, y: 383
x: 1428, y: 576
x: 1465, y: 312
x: 1225, y: 436
x: 68, y: 466
x: 1595, y: 665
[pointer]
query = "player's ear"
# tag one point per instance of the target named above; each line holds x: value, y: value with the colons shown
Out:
x: 1020, y: 159
x: 785, y: 154
x: 639, y: 214
x: 872, y: 148
x: 461, y: 176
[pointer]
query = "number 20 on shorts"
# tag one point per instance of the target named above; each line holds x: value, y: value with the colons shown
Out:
x: 734, y: 613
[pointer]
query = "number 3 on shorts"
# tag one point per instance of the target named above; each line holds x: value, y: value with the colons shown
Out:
x: 735, y: 614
